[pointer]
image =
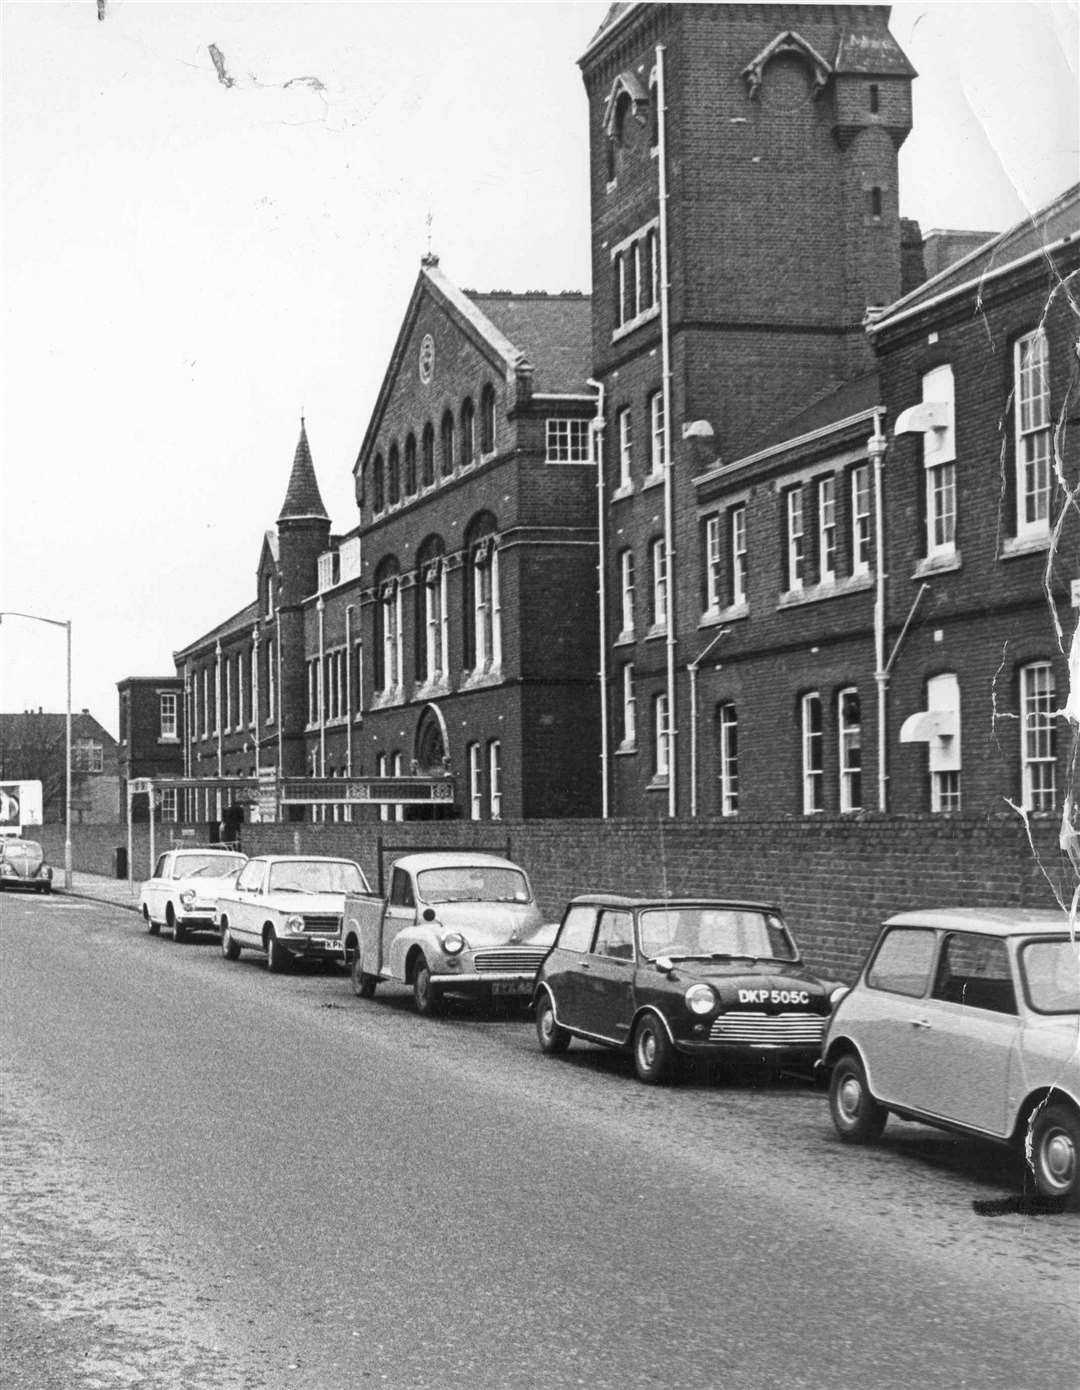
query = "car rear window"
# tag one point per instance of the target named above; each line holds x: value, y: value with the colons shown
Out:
x: 1051, y: 973
x: 902, y: 961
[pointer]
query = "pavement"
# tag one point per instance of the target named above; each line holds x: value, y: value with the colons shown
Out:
x: 100, y: 888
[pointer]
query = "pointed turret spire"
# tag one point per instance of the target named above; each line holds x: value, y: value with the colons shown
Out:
x: 302, y: 497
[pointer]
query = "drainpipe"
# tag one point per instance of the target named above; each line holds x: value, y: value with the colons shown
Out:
x: 876, y: 447
x: 598, y: 450
x: 255, y: 693
x: 218, y: 712
x: 279, y: 704
x: 669, y: 510
x: 320, y: 691
x: 348, y: 690
x: 692, y: 670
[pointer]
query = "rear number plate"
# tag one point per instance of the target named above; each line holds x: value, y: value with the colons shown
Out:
x: 521, y: 986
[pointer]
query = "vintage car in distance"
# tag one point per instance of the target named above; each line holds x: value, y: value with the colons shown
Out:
x: 183, y: 890
x: 22, y: 865
x: 454, y: 922
x: 288, y: 906
x: 691, y: 977
x: 967, y: 1019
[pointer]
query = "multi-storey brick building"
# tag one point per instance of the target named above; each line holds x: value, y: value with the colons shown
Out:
x: 33, y: 747
x: 151, y: 734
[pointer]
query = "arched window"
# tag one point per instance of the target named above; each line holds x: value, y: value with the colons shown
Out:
x: 394, y: 476
x: 487, y: 419
x: 432, y: 620
x: 468, y: 432
x: 387, y: 653
x: 483, y: 625
x: 378, y: 484
x: 427, y: 456
x: 446, y: 442
x: 410, y: 465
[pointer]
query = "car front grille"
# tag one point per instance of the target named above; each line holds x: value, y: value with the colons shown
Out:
x: 323, y: 922
x: 520, y: 960
x: 779, y: 1029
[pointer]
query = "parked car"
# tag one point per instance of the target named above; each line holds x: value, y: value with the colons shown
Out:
x: 22, y: 865
x: 967, y: 1019
x: 693, y: 977
x: 455, y: 922
x: 288, y: 905
x: 182, y: 892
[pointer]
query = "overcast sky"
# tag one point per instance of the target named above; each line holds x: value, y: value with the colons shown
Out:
x: 190, y: 264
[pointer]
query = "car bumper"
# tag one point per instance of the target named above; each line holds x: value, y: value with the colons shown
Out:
x: 313, y: 947
x: 749, y: 1053
x: 28, y: 885
x: 486, y: 982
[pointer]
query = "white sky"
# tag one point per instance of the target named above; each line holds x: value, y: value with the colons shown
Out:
x: 190, y: 265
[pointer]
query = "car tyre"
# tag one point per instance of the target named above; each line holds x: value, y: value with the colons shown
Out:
x: 277, y: 958
x: 230, y: 949
x: 552, y: 1036
x: 425, y: 995
x: 151, y: 926
x: 1055, y: 1154
x: 654, y: 1055
x: 858, y: 1117
x: 179, y: 932
x: 363, y: 984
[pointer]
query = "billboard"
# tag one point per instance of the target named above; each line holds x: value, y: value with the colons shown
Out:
x: 20, y: 806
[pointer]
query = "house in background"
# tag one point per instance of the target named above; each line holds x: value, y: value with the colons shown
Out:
x: 151, y: 736
x: 33, y: 747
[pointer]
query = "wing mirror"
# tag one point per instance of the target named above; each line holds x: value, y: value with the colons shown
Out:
x: 664, y: 964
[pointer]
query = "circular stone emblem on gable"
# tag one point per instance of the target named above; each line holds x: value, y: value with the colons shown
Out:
x: 427, y: 358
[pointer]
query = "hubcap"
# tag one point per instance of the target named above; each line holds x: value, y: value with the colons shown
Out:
x: 850, y: 1097
x: 1059, y: 1157
x: 648, y: 1047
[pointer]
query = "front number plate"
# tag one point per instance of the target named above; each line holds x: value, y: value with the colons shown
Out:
x: 521, y: 986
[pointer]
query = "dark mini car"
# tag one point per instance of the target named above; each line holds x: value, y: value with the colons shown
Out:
x: 22, y: 865
x: 692, y: 977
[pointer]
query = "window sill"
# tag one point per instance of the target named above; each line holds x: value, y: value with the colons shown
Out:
x: 625, y: 750
x: 384, y: 699
x: 622, y: 491
x: 659, y: 783
x: 655, y: 633
x: 165, y: 738
x: 1034, y: 544
x: 624, y: 639
x: 646, y: 316
x: 488, y: 675
x: 817, y: 593
x: 937, y: 564
x: 713, y: 617
x: 428, y: 690
x: 653, y: 479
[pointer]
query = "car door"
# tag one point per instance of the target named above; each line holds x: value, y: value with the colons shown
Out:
x: 399, y: 914
x: 567, y: 968
x: 607, y: 976
x: 972, y: 1034
x: 245, y: 905
x: 154, y: 890
x: 891, y: 1022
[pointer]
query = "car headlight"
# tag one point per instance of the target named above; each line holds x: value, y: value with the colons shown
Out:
x: 453, y: 943
x: 294, y: 923
x: 187, y: 897
x: 838, y: 993
x: 700, y: 999
x: 46, y: 872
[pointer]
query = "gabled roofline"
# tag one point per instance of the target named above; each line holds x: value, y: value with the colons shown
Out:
x: 605, y: 31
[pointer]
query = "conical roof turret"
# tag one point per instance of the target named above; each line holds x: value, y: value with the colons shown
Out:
x: 302, y: 497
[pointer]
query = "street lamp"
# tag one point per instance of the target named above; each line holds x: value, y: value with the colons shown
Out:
x: 66, y: 625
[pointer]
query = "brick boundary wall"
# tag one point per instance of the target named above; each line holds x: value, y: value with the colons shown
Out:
x: 834, y: 879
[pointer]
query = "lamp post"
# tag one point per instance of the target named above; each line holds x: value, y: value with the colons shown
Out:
x: 65, y: 623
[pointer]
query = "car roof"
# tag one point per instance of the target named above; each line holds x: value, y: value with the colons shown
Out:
x: 201, y: 849
x: 455, y: 859
x: 622, y: 900
x: 302, y: 858
x: 992, y: 921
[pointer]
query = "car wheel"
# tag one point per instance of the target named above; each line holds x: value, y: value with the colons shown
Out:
x: 653, y: 1053
x: 277, y: 958
x: 151, y: 926
x: 424, y: 992
x: 363, y: 984
x: 1055, y: 1146
x: 858, y: 1117
x: 552, y: 1036
x: 230, y: 949
x: 179, y: 932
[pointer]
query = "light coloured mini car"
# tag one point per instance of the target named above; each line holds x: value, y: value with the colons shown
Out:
x: 968, y: 1019
x: 289, y: 906
x: 455, y: 922
x: 183, y: 891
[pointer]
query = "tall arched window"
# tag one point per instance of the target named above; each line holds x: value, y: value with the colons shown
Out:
x: 394, y: 476
x: 378, y: 484
x: 410, y: 465
x: 387, y: 652
x: 432, y: 621
x: 468, y: 432
x: 427, y: 456
x: 446, y: 442
x: 487, y: 419
x: 483, y: 635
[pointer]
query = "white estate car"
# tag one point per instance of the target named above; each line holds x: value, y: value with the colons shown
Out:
x: 183, y: 892
x: 969, y: 1019
x: 288, y: 905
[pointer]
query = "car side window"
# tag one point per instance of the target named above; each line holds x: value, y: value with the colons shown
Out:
x: 974, y: 971
x: 615, y: 936
x: 159, y: 867
x: 249, y: 877
x: 576, y: 932
x: 401, y: 890
x: 903, y: 961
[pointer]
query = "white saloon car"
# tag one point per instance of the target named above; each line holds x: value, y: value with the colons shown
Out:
x: 967, y: 1019
x: 183, y: 892
x: 288, y: 905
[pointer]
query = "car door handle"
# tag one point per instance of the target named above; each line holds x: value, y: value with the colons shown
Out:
x: 585, y: 965
x: 920, y: 1023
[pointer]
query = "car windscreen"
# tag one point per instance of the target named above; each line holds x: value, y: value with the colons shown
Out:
x: 1051, y: 971
x: 24, y: 854
x: 472, y: 884
x: 207, y: 865
x: 715, y: 931
x: 316, y: 876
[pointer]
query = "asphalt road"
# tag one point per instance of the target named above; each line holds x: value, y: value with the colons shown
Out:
x: 214, y: 1177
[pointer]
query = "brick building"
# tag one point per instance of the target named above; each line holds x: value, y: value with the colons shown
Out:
x: 151, y: 733
x: 33, y: 747
x: 780, y: 633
